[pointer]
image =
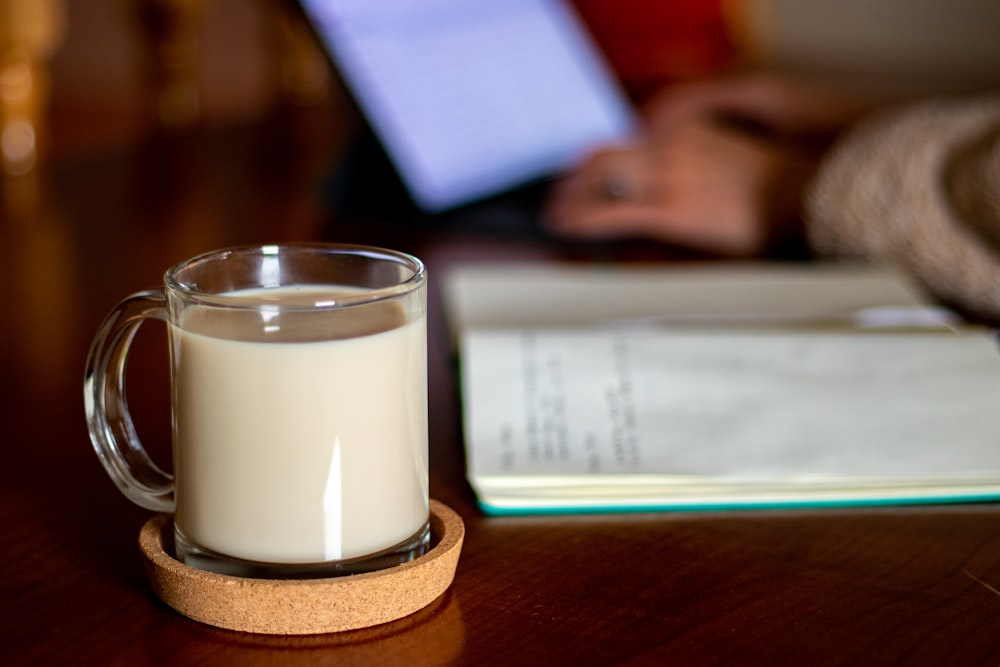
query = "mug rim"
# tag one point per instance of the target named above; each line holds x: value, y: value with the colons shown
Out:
x: 193, y: 294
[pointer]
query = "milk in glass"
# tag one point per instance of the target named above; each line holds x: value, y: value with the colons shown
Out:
x: 301, y: 438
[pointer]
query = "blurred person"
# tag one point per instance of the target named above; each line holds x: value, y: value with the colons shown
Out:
x: 766, y: 165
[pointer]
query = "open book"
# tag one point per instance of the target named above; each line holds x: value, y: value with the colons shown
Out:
x: 698, y: 387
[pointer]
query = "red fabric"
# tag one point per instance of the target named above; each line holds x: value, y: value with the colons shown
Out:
x: 651, y: 43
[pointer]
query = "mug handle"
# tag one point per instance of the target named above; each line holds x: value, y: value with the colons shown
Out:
x: 108, y: 418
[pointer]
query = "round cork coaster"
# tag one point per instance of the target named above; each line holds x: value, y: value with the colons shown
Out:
x: 304, y: 606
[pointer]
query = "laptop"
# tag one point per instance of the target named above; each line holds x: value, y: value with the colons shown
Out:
x: 472, y: 106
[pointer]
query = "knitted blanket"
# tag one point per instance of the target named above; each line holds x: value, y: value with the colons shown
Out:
x: 918, y: 188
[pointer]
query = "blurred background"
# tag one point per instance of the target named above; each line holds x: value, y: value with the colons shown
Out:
x: 111, y: 69
x: 79, y: 76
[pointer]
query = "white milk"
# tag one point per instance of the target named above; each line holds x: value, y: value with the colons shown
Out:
x: 299, y: 452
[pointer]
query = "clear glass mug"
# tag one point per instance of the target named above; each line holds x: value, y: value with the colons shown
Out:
x: 299, y: 409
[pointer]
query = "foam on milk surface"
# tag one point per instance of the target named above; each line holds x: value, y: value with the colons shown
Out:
x: 306, y: 450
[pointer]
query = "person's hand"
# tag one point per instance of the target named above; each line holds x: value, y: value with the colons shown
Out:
x: 719, y: 168
x: 787, y: 109
x: 694, y: 183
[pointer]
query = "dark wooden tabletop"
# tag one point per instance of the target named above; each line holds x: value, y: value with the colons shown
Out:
x: 885, y: 586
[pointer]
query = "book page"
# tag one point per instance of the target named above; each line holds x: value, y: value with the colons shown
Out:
x: 730, y: 404
x: 546, y: 295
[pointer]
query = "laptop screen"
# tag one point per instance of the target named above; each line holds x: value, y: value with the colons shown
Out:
x: 471, y: 98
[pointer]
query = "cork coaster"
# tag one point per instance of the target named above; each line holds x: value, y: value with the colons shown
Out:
x: 304, y: 606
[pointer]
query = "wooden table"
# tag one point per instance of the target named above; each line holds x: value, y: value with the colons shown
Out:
x: 866, y: 586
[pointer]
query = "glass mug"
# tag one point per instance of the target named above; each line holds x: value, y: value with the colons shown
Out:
x: 299, y: 409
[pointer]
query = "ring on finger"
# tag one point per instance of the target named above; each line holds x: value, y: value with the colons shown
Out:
x: 616, y: 187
